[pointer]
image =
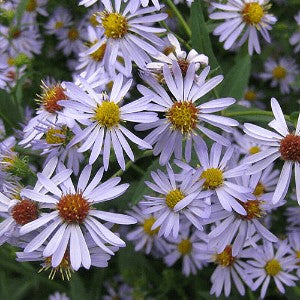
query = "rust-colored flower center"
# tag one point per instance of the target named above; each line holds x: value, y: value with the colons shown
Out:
x: 184, y: 247
x: 148, y: 225
x: 225, y: 258
x: 168, y: 50
x: 31, y: 5
x: 115, y: 25
x: 279, y: 72
x: 252, y: 13
x: 50, y: 97
x: 290, y: 148
x: 183, y: 116
x: 184, y: 65
x: 252, y: 208
x: 73, y: 208
x: 73, y: 34
x: 24, y: 212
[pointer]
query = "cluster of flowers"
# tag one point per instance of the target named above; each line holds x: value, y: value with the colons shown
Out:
x: 215, y: 208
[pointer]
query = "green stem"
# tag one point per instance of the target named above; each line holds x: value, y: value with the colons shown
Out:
x: 180, y: 17
x: 252, y: 113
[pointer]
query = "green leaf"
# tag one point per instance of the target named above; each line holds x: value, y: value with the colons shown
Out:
x: 78, y: 291
x: 200, y: 36
x: 237, y: 78
x: 294, y: 117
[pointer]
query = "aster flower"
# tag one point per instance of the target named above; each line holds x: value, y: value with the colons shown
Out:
x: 32, y: 9
x: 236, y: 229
x: 182, y: 121
x: 172, y: 52
x: 103, y: 115
x: 217, y: 174
x: 252, y: 97
x: 295, y: 38
x: 142, y: 235
x: 55, y: 143
x: 230, y: 269
x: 282, y: 143
x: 117, y: 289
x: 185, y: 248
x: 243, y: 18
x: 59, y: 21
x: 130, y: 33
x: 72, y: 215
x: 282, y: 73
x: 176, y: 199
x: 267, y: 264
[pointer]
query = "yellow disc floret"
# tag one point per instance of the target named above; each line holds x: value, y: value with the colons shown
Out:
x: 73, y: 34
x: 213, y: 178
x: 31, y: 5
x: 55, y: 136
x: 225, y: 258
x: 279, y: 72
x: 250, y: 95
x: 273, y: 267
x: 148, y: 225
x: 99, y: 53
x: 58, y: 25
x: 252, y: 13
x: 173, y: 197
x: 107, y: 114
x: 115, y: 25
x: 184, y: 247
x: 259, y: 189
x: 183, y: 116
x: 254, y: 150
x: 253, y: 209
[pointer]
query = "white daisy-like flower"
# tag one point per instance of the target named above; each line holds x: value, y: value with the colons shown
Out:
x: 282, y: 143
x: 143, y: 236
x: 185, y: 247
x: 176, y: 199
x: 217, y: 174
x: 282, y: 73
x: 172, y: 52
x: 73, y: 214
x: 243, y: 18
x: 133, y: 34
x: 252, y: 97
x: 48, y: 111
x: 236, y: 229
x: 230, y: 269
x: 71, y: 40
x: 55, y: 143
x: 267, y: 264
x: 182, y: 119
x: 103, y: 116
x: 295, y: 38
x: 59, y: 21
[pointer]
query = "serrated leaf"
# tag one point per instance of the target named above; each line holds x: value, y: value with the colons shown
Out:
x: 200, y: 36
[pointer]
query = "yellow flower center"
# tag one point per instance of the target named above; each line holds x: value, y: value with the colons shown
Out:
x: 10, y: 61
x: 259, y: 189
x: 93, y: 20
x: 225, y: 258
x: 273, y: 267
x: 254, y: 149
x: 115, y: 25
x: 99, y: 53
x: 59, y: 25
x: 173, y: 197
x: 64, y: 268
x: 183, y: 116
x: 213, y: 178
x: 31, y: 5
x: 252, y: 13
x: 73, y: 34
x: 107, y: 114
x: 185, y: 247
x: 148, y: 224
x: 250, y: 95
x: 298, y: 257
x: 53, y: 136
x: 279, y: 72
x: 252, y: 208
